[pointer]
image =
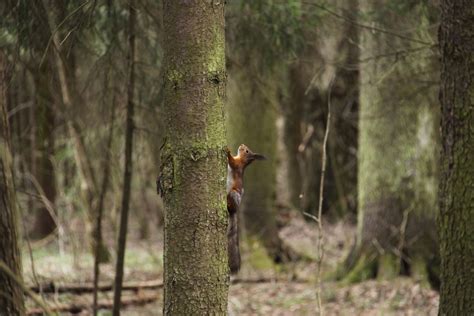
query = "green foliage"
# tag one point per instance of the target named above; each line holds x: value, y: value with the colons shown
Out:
x: 270, y: 30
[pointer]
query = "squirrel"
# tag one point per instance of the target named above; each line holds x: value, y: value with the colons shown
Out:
x: 235, y: 176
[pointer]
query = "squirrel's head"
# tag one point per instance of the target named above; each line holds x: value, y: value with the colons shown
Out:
x: 248, y: 156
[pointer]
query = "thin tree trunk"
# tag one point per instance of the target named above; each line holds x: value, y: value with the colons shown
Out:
x: 72, y: 103
x: 11, y: 298
x: 127, y: 176
x: 293, y: 135
x: 456, y: 218
x: 193, y: 160
x: 42, y: 121
x: 100, y: 207
x: 43, y: 153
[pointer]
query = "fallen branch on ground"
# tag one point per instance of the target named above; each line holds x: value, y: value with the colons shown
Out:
x: 78, y: 307
x: 52, y: 287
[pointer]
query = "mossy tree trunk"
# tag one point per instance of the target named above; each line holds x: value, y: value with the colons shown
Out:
x: 194, y: 164
x: 456, y: 218
x: 251, y: 119
x: 398, y: 144
x: 11, y: 298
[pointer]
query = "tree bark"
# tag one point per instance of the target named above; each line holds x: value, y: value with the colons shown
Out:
x: 193, y: 159
x: 11, y: 298
x: 398, y: 139
x: 456, y: 218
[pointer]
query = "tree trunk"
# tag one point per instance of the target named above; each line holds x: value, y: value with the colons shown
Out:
x: 72, y: 101
x: 292, y: 132
x: 330, y: 52
x: 456, y: 218
x: 11, y: 298
x: 398, y: 139
x: 252, y: 120
x: 128, y: 164
x: 44, y: 172
x: 43, y: 124
x: 193, y: 159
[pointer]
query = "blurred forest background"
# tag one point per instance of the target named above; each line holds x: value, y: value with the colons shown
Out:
x: 67, y: 88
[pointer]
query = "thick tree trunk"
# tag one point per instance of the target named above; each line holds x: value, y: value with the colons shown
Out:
x: 398, y: 141
x: 11, y: 298
x: 456, y: 218
x: 193, y: 159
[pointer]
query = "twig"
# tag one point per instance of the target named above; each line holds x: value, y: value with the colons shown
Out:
x: 32, y: 261
x: 314, y: 218
x: 320, y: 207
x: 306, y: 138
x: 368, y: 27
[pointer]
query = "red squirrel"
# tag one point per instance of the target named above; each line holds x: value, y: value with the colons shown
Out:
x: 235, y: 177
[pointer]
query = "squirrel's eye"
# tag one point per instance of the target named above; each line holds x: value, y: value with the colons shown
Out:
x: 247, y: 151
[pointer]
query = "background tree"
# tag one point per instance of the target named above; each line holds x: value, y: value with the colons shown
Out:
x: 456, y: 217
x: 128, y: 163
x: 11, y: 298
x: 398, y: 142
x: 194, y: 162
x: 42, y: 175
x: 326, y: 65
x: 257, y: 81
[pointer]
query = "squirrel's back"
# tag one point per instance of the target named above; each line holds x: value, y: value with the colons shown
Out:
x: 235, y: 173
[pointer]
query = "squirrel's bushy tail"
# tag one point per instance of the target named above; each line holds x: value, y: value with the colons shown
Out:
x: 233, y: 243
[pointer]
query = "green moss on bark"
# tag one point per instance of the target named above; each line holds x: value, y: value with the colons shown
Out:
x: 193, y: 161
x: 456, y: 217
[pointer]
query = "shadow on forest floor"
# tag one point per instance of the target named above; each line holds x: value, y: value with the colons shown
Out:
x: 292, y: 294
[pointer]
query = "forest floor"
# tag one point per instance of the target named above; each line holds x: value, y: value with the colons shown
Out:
x: 261, y: 288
